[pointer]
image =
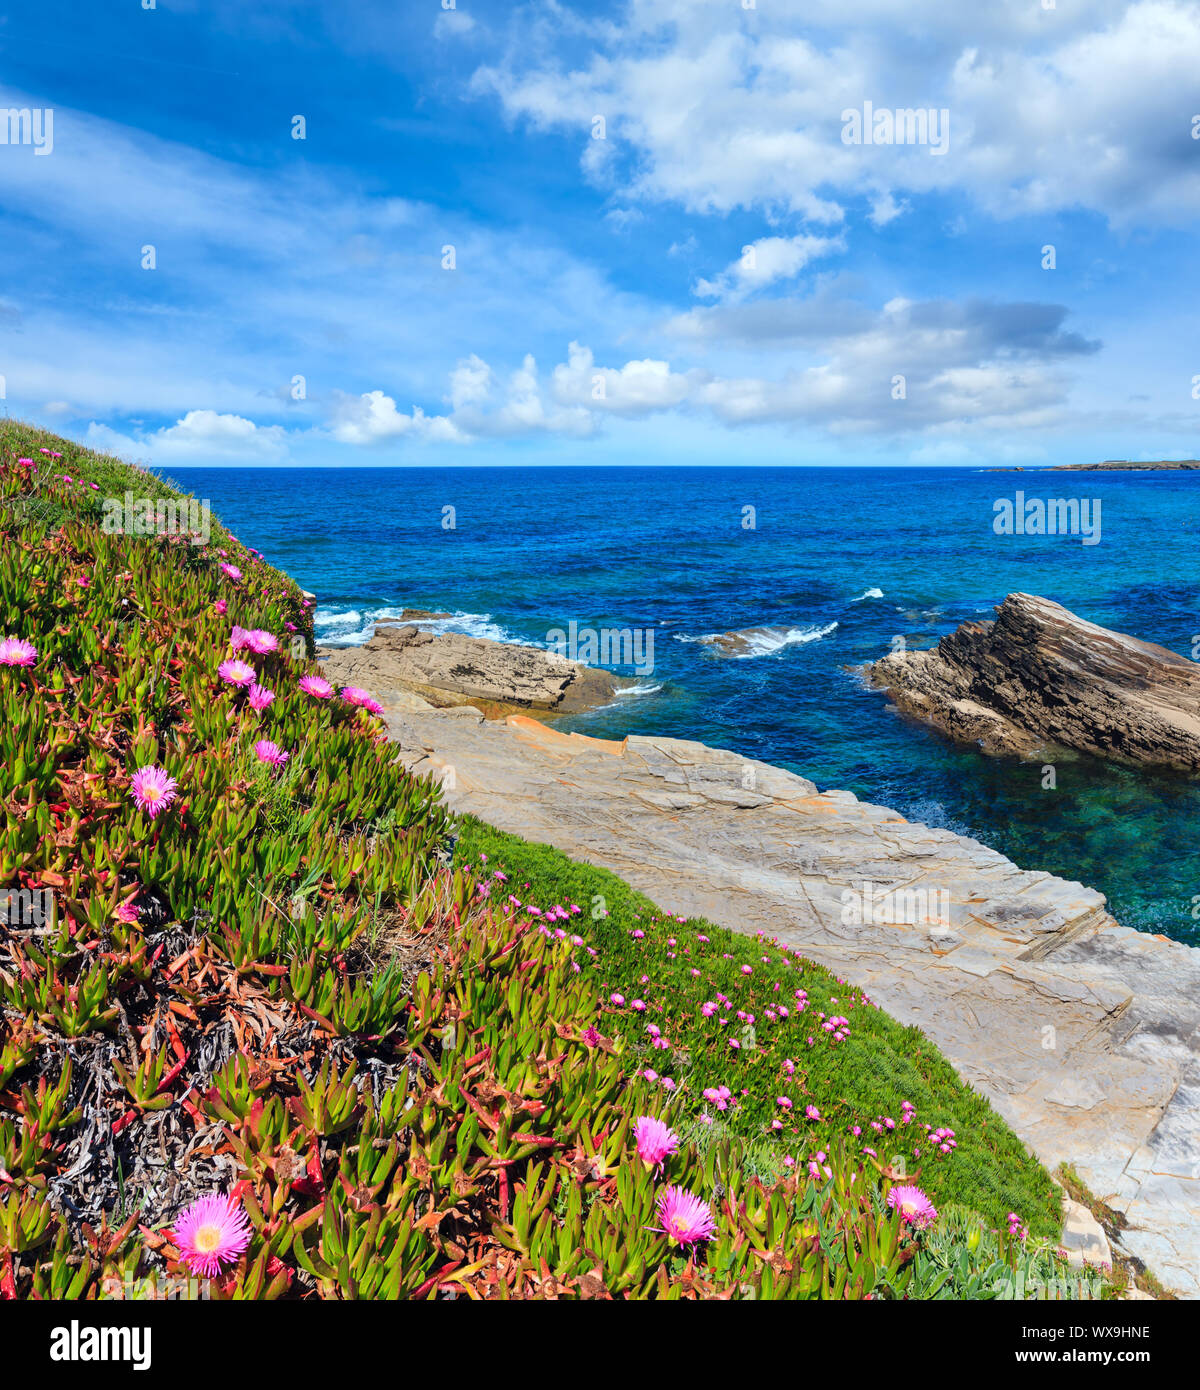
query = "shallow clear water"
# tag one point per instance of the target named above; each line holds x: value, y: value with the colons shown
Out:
x: 666, y: 550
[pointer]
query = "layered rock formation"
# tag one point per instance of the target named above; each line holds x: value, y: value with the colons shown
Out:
x: 1083, y: 1034
x: 1039, y: 676
x: 406, y: 666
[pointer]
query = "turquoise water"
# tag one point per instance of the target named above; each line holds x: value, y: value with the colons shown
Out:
x: 665, y: 550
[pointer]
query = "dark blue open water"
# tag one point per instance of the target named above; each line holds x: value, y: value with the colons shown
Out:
x: 665, y: 549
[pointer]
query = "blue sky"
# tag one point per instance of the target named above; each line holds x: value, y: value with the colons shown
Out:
x: 723, y: 277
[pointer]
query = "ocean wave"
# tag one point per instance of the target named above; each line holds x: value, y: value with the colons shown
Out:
x: 353, y: 628
x: 639, y: 690
x: 870, y: 593
x: 760, y: 641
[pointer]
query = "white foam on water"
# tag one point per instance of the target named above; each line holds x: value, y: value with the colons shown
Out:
x: 870, y: 593
x: 763, y: 641
x: 639, y: 690
x: 355, y: 629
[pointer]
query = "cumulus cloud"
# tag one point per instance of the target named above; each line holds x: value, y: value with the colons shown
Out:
x: 372, y: 418
x: 199, y: 436
x: 637, y: 388
x: 1084, y: 106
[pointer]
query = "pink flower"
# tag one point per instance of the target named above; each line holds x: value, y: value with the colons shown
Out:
x: 128, y: 912
x: 153, y: 790
x: 261, y: 641
x: 362, y: 698
x: 655, y: 1140
x: 232, y: 571
x: 617, y: 999
x: 316, y: 685
x: 221, y: 605
x: 237, y: 672
x: 916, y: 1210
x: 784, y: 1101
x: 812, y: 1112
x: 685, y: 1219
x: 270, y: 753
x: 15, y: 651
x: 260, y: 696
x: 211, y: 1232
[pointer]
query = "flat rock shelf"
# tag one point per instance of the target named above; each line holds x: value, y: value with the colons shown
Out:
x: 1083, y: 1033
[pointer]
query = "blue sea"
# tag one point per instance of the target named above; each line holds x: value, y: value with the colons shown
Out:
x: 838, y: 562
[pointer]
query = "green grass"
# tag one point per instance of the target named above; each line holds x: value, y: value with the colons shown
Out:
x: 853, y: 1082
x: 112, y: 476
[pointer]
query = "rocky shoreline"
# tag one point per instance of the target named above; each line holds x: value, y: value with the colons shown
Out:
x: 1083, y: 1034
x: 410, y: 668
x: 1041, y: 677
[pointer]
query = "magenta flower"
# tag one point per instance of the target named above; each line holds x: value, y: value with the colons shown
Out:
x: 261, y: 641
x: 232, y: 571
x: 237, y: 672
x: 15, y: 651
x: 153, y: 790
x: 916, y: 1210
x: 128, y: 912
x: 316, y: 685
x: 812, y: 1112
x: 655, y: 1140
x: 211, y: 1232
x: 270, y: 753
x: 237, y: 638
x: 221, y: 605
x: 362, y: 698
x: 260, y: 696
x: 685, y: 1219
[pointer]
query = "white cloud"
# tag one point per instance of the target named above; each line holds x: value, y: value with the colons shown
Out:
x: 637, y: 388
x: 1085, y: 106
x: 764, y: 261
x: 200, y: 435
x: 470, y: 382
x: 372, y: 418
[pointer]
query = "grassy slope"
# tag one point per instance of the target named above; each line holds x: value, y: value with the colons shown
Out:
x: 860, y: 1080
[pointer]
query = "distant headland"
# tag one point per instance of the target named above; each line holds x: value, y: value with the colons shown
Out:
x: 1109, y: 465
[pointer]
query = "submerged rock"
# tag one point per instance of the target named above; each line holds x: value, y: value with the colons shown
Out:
x: 1040, y: 676
x: 762, y: 641
x: 402, y: 661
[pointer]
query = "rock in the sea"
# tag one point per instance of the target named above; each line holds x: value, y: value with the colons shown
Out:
x: 449, y: 669
x: 1039, y: 676
x: 762, y: 641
